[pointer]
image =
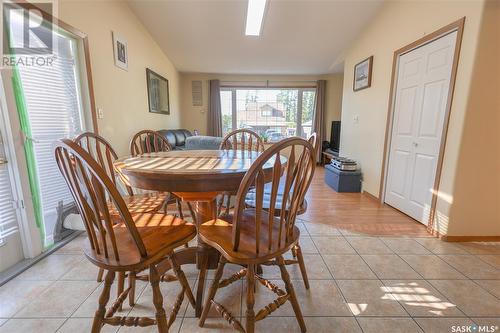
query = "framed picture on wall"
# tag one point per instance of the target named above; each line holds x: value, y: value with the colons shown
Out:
x: 363, y: 74
x: 120, y: 51
x: 158, y: 96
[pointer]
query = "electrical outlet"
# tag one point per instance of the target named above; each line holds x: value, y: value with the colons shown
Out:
x: 356, y: 119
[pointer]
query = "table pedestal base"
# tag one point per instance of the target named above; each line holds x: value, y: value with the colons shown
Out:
x: 205, y: 257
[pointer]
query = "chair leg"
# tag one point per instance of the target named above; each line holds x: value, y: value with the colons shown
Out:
x: 212, y: 291
x: 103, y: 300
x: 182, y: 279
x: 131, y: 283
x: 293, y: 298
x: 219, y: 205
x: 121, y: 286
x: 250, y: 313
x: 203, y: 266
x: 100, y: 275
x: 161, y: 316
x: 228, y: 204
x: 191, y: 211
x: 179, y: 208
x: 302, y: 266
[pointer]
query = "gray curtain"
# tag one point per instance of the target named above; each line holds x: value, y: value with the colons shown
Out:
x: 319, y: 115
x: 214, y: 110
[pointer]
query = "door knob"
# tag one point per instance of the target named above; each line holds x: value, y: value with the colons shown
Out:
x: 3, y: 161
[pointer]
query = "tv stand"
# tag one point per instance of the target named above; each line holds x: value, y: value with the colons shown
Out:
x: 328, y: 155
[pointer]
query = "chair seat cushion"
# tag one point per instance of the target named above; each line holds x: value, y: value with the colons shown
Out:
x: 160, y: 233
x: 266, y: 203
x: 218, y: 233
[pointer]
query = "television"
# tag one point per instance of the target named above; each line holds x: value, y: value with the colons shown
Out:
x: 335, y: 136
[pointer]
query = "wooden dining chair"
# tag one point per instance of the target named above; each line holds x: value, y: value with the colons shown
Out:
x: 250, y: 202
x: 257, y: 236
x: 148, y: 141
x: 240, y: 139
x: 104, y: 154
x: 133, y: 244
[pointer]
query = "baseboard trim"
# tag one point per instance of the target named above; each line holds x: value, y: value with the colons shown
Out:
x: 371, y: 196
x: 447, y: 238
x: 20, y: 267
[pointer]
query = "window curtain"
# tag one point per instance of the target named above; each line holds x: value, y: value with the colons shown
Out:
x: 319, y: 115
x: 214, y: 110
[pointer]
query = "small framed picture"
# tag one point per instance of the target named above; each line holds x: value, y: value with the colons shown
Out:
x: 363, y: 74
x: 158, y: 95
x: 120, y: 51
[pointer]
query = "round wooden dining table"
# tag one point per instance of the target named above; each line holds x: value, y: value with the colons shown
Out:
x: 196, y: 176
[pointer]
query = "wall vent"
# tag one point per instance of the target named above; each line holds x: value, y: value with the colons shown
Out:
x: 196, y: 91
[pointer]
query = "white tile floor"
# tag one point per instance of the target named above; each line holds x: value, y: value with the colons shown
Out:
x: 358, y: 284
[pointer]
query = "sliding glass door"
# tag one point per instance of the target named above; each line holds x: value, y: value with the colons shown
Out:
x: 274, y: 113
x: 51, y: 105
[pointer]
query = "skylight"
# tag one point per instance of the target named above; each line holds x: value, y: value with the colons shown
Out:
x: 255, y: 16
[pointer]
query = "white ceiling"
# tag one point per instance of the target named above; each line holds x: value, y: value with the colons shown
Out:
x: 298, y: 37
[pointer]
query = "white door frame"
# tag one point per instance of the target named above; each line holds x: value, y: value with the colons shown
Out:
x: 457, y: 26
x: 28, y: 232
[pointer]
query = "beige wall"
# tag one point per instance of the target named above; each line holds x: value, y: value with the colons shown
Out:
x: 195, y: 117
x: 476, y: 196
x: 122, y: 95
x: 398, y: 24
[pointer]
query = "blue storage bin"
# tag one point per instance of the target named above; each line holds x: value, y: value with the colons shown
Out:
x: 343, y: 181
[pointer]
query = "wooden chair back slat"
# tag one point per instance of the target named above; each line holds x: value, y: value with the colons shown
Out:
x: 313, y: 140
x: 297, y: 172
x: 95, y: 145
x: 92, y: 189
x: 147, y: 141
x: 243, y: 139
x: 274, y: 195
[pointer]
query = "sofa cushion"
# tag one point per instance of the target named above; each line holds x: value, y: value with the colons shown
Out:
x: 180, y: 137
x: 201, y: 142
x: 176, y: 137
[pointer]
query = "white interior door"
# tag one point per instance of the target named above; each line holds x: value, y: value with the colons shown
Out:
x: 422, y: 88
x: 11, y: 247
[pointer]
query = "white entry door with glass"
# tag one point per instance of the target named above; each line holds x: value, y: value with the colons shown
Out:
x: 51, y: 102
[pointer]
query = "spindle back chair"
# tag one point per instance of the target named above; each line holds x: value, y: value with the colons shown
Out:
x: 127, y: 246
x: 148, y: 141
x: 242, y: 139
x: 258, y: 236
x: 101, y: 151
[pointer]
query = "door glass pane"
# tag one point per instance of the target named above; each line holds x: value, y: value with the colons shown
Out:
x: 52, y: 97
x: 307, y: 112
x: 226, y: 110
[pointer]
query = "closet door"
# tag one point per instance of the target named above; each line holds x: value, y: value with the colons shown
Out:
x: 422, y: 88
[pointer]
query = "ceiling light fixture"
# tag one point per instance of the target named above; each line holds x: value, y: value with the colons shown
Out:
x: 255, y: 17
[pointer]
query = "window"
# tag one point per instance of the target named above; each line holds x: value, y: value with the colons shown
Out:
x: 274, y: 113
